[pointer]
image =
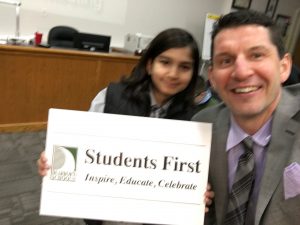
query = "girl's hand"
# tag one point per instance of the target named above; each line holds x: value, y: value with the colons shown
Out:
x: 209, y: 195
x: 42, y: 164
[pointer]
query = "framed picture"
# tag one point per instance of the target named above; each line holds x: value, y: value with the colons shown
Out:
x: 271, y: 8
x: 283, y: 22
x: 241, y: 4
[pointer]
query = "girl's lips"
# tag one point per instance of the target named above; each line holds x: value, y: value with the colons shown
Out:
x: 169, y: 84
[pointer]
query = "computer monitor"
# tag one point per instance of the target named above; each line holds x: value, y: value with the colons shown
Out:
x: 92, y: 42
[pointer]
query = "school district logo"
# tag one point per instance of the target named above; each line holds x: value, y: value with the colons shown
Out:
x: 64, y: 163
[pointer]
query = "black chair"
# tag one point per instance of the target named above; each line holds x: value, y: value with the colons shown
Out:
x: 92, y: 42
x: 62, y: 36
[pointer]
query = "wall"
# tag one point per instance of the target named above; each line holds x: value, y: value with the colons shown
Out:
x: 119, y: 17
x: 284, y: 7
x: 112, y: 17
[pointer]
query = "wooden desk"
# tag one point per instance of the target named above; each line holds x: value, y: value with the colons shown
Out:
x: 33, y: 79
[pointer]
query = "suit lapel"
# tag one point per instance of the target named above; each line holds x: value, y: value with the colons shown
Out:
x: 219, y: 175
x: 278, y: 152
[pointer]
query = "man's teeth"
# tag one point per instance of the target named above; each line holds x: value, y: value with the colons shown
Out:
x: 245, y: 89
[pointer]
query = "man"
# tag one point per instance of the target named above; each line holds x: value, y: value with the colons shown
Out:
x: 248, y: 66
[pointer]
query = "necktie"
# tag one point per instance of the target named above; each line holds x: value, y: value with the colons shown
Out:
x: 241, y: 188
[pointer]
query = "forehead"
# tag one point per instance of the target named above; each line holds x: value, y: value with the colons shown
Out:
x: 242, y: 36
x: 184, y: 53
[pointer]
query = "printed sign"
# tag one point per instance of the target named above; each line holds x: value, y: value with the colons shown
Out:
x: 125, y: 168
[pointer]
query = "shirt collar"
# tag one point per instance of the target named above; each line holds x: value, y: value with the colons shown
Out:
x: 236, y: 134
x: 154, y: 103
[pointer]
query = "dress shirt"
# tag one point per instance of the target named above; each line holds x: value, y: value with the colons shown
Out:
x: 98, y: 102
x: 235, y: 149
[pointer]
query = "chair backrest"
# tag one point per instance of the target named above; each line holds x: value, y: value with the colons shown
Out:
x: 62, y: 36
x: 92, y: 42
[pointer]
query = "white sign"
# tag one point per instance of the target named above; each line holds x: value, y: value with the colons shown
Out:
x: 125, y: 168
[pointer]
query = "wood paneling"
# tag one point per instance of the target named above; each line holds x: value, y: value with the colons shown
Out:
x: 32, y: 80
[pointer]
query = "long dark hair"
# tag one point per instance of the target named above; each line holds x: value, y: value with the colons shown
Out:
x: 138, y: 83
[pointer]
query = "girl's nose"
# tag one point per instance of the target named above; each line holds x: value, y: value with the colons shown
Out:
x: 173, y: 71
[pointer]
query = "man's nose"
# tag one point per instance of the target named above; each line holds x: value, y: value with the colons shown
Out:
x: 242, y: 68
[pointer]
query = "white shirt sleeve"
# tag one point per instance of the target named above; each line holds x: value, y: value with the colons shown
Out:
x: 98, y: 102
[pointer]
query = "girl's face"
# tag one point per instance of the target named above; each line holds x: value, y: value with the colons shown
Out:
x: 171, y: 72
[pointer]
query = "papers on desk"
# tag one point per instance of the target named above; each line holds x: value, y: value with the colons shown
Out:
x: 10, y: 39
x: 125, y: 168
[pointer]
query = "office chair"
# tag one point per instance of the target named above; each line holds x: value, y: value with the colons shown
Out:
x: 62, y: 36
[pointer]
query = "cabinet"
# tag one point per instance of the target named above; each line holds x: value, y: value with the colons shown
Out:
x: 33, y: 79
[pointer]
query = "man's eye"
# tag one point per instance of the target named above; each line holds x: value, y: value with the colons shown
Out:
x: 256, y: 55
x: 225, y: 62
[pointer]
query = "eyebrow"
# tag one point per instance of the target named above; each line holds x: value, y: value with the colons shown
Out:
x: 222, y: 54
x: 259, y: 47
x: 227, y: 53
x: 169, y: 58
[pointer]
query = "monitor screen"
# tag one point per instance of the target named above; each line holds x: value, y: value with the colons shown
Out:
x: 92, y: 42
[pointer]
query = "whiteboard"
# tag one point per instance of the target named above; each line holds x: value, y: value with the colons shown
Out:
x: 209, y: 22
x: 108, y: 11
x: 11, y: 2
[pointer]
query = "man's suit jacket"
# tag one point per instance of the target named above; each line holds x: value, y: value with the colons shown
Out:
x: 284, y: 148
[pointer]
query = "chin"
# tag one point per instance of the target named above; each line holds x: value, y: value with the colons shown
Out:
x: 249, y: 113
x: 245, y: 111
x: 170, y: 93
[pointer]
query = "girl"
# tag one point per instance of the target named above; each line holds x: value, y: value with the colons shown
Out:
x: 161, y: 85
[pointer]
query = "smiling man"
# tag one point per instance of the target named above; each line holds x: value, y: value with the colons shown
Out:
x: 252, y: 184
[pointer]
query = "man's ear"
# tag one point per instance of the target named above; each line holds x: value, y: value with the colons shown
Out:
x: 285, y: 67
x: 211, y: 77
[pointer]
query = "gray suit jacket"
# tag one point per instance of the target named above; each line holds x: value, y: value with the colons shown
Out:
x: 284, y: 148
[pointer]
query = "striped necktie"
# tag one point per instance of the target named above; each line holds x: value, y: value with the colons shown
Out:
x: 242, y: 185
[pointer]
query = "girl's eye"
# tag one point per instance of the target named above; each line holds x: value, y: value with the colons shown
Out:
x: 186, y: 67
x: 164, y: 62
